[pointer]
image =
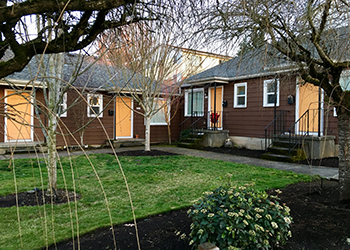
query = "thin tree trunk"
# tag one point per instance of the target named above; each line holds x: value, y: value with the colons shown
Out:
x: 147, y: 134
x: 82, y: 137
x: 54, y: 87
x: 169, y: 133
x: 51, y: 155
x: 344, y: 154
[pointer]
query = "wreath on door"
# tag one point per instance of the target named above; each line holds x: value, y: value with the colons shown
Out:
x: 214, y: 117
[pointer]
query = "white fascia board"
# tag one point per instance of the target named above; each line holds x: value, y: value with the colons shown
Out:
x: 226, y: 80
x: 22, y: 83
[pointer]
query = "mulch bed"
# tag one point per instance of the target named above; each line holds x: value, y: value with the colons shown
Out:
x: 320, y: 222
x: 37, y: 197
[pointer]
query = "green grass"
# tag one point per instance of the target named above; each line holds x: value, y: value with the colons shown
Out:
x: 157, y: 184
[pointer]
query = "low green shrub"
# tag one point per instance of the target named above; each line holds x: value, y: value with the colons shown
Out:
x: 240, y: 218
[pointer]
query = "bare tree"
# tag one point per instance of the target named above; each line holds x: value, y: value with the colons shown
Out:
x: 140, y: 60
x: 312, y: 35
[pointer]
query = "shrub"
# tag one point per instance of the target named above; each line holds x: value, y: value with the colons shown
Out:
x: 240, y: 218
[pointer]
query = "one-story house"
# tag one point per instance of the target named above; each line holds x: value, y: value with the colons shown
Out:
x: 254, y: 97
x: 22, y: 120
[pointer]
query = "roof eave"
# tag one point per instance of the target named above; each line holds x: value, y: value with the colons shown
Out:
x: 226, y: 80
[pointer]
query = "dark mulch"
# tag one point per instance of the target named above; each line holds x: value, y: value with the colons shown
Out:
x: 320, y: 222
x: 327, y: 162
x: 36, y: 197
x: 143, y: 153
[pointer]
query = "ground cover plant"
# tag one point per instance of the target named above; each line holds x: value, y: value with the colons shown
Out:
x: 240, y: 218
x: 157, y: 185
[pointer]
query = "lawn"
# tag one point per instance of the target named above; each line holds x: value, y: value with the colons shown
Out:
x: 157, y: 184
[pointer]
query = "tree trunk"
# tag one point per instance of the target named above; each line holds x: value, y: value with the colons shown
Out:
x: 344, y: 154
x: 51, y: 155
x: 54, y: 88
x: 82, y: 137
x: 169, y: 133
x: 147, y: 134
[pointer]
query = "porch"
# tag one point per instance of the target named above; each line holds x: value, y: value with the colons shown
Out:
x: 130, y: 142
x: 307, y: 137
x: 22, y: 147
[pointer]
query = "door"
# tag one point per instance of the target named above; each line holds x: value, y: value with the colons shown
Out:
x: 215, y: 107
x: 123, y: 117
x: 309, y: 100
x: 19, y: 119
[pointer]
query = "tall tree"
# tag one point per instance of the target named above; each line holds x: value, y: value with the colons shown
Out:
x: 313, y: 35
x: 77, y: 24
x: 140, y: 60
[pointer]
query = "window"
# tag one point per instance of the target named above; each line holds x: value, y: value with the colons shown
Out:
x: 344, y: 80
x: 95, y: 105
x: 177, y: 57
x: 62, y: 109
x: 159, y: 117
x: 198, y: 102
x: 270, y: 87
x: 240, y: 95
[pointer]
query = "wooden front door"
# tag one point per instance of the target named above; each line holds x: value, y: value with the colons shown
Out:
x: 308, y: 100
x: 123, y: 117
x: 215, y: 107
x: 19, y: 118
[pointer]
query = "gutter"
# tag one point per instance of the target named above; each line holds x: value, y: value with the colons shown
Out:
x: 226, y: 80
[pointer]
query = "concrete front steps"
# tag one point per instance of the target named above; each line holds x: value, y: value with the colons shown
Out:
x: 280, y: 152
x: 192, y: 140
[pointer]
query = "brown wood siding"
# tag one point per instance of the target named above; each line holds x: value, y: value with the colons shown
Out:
x: 252, y: 120
x: 159, y: 133
x: 97, y: 131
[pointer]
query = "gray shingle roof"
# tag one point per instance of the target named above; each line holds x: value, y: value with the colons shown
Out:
x: 251, y: 64
x: 86, y: 71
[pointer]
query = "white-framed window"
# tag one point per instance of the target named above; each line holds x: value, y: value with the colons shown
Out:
x: 335, y: 112
x: 198, y: 102
x: 95, y: 105
x: 62, y: 109
x: 160, y: 117
x: 271, y: 87
x: 344, y: 80
x: 240, y: 95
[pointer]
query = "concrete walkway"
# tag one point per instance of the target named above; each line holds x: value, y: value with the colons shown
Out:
x: 325, y: 172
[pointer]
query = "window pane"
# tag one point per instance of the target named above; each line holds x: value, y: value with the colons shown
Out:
x: 241, y: 90
x: 197, y: 103
x: 241, y: 100
x: 94, y: 109
x: 159, y: 117
x: 271, y: 87
x: 271, y: 98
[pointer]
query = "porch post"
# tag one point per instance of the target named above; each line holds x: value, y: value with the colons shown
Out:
x: 319, y: 111
x: 191, y: 107
x: 275, y: 107
x: 214, y: 105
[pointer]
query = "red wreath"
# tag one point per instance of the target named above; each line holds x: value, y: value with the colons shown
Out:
x: 214, y: 117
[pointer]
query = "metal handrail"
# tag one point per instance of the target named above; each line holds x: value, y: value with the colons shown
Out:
x: 278, y: 125
x: 295, y: 138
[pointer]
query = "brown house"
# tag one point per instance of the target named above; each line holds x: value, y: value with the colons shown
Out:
x: 91, y: 111
x: 254, y: 99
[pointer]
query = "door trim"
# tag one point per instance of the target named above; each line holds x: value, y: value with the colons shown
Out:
x: 31, y: 120
x: 297, y: 111
x: 209, y: 101
x: 131, y: 119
